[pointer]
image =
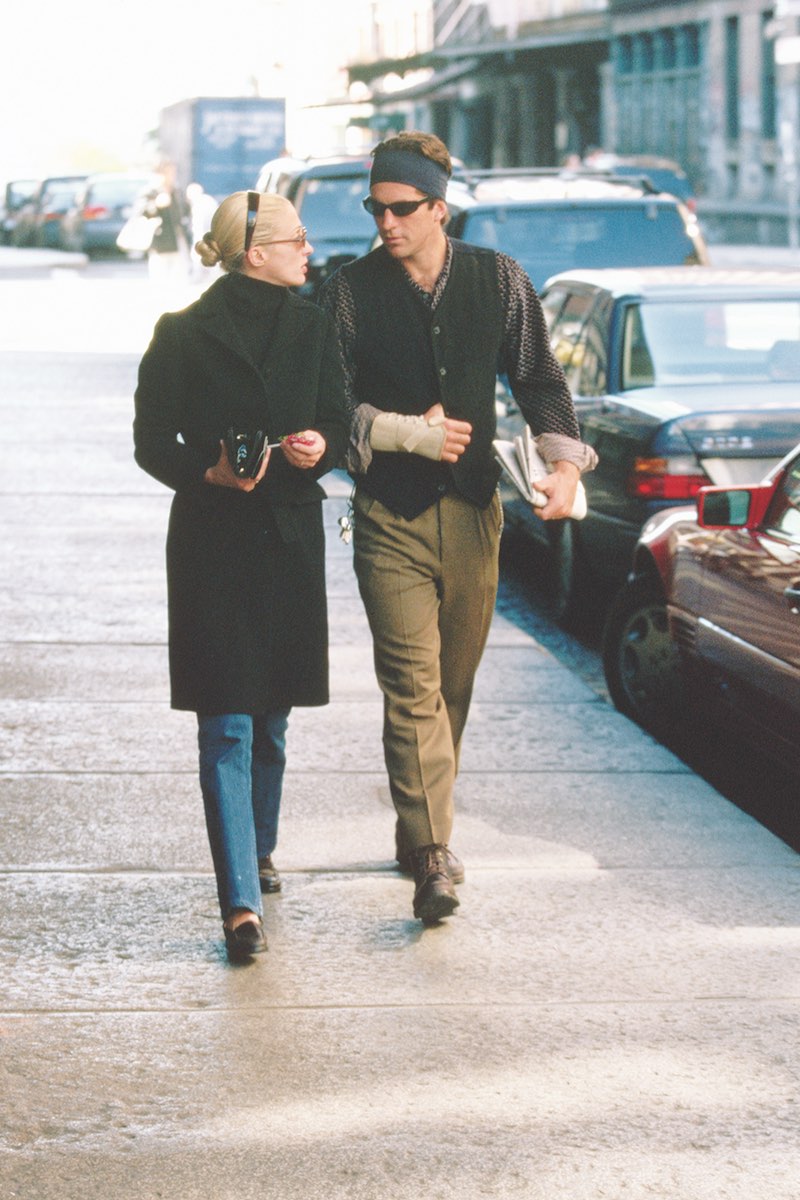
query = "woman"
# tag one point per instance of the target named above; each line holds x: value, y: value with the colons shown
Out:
x: 245, y: 554
x: 167, y: 258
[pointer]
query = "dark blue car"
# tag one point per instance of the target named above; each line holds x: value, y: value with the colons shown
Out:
x: 682, y: 377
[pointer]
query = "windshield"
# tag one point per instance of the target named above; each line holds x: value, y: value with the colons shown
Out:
x: 116, y: 191
x: 549, y: 240
x: 331, y: 207
x: 711, y: 341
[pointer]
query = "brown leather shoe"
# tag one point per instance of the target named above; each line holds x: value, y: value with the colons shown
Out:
x: 268, y: 877
x: 435, y: 897
x: 455, y: 866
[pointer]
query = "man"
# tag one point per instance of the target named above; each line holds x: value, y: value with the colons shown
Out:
x: 425, y: 323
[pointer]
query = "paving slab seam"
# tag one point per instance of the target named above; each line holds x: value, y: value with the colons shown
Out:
x: 381, y: 868
x: 519, y: 1006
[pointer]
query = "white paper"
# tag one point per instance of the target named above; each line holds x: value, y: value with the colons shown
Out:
x: 524, y: 465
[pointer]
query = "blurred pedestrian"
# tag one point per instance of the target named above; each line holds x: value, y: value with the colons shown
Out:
x: 168, y: 256
x: 201, y: 212
x: 248, y: 634
x: 425, y: 323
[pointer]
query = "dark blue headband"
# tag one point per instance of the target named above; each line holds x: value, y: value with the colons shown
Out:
x: 406, y: 166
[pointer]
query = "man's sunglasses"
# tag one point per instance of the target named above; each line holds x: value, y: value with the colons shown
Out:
x: 400, y: 208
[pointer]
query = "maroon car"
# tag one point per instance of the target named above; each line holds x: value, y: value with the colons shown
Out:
x: 711, y: 614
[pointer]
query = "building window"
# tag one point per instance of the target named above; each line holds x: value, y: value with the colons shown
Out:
x: 768, y: 97
x: 625, y: 56
x: 732, y: 78
x: 690, y: 45
x: 666, y: 49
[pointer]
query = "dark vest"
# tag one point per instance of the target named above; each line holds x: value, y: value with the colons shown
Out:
x: 409, y: 357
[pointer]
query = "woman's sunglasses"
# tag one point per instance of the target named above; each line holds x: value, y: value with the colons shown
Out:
x: 400, y: 208
x: 253, y: 201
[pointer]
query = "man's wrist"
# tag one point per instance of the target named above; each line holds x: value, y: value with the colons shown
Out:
x: 404, y: 434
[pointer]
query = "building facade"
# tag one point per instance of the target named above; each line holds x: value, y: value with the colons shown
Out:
x: 713, y: 84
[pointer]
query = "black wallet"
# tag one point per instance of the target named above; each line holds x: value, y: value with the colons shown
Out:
x: 245, y: 451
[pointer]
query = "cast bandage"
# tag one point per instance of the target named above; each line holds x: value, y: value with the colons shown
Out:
x: 411, y: 435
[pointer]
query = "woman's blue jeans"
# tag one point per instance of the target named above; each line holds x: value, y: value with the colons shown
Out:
x: 242, y: 760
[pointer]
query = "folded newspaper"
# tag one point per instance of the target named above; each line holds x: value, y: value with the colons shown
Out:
x: 524, y: 465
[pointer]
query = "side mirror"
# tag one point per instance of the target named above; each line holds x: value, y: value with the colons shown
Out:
x: 733, y: 508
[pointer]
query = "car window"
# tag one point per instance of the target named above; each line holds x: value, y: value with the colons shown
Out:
x: 552, y: 302
x: 565, y: 334
x: 784, y: 511
x: 593, y: 370
x: 19, y: 192
x: 58, y: 198
x: 116, y: 191
x: 331, y: 207
x: 546, y: 240
x: 637, y: 362
x: 711, y: 341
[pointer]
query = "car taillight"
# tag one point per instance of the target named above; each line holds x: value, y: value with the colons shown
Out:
x: 94, y: 212
x: 665, y: 479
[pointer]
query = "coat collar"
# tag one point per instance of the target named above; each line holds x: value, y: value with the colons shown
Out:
x: 212, y: 313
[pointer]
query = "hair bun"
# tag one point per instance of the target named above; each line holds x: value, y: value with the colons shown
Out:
x: 208, y: 251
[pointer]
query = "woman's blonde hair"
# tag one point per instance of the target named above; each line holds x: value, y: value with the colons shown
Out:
x: 224, y: 243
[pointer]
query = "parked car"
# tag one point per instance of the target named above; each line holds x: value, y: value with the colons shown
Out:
x: 278, y: 173
x: 39, y: 220
x: 665, y: 174
x: 100, y: 209
x: 17, y: 193
x: 328, y: 195
x: 708, y: 621
x: 682, y: 377
x: 556, y: 221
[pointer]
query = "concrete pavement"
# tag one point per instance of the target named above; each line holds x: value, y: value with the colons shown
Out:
x: 612, y: 1013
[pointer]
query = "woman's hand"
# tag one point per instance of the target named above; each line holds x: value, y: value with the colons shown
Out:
x: 304, y: 450
x: 222, y: 473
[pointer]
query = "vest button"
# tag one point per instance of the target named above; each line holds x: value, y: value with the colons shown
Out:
x: 442, y: 370
x: 441, y: 488
x: 436, y: 329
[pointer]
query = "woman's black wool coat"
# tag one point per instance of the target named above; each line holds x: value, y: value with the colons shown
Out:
x: 245, y: 571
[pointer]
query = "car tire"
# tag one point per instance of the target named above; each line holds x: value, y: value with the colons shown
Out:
x: 640, y: 660
x: 566, y: 590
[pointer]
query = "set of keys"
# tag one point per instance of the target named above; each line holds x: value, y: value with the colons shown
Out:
x: 345, y: 528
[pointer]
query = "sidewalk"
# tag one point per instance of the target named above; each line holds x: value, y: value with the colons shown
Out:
x: 612, y: 1013
x: 17, y: 262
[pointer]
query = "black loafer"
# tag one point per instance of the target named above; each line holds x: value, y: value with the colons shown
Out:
x: 245, y: 940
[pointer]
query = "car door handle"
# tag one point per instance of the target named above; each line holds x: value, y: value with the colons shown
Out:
x: 792, y: 594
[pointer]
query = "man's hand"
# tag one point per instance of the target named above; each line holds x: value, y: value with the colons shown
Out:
x: 559, y: 487
x: 458, y: 434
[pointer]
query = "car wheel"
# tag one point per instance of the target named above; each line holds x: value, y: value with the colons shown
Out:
x: 566, y: 591
x: 640, y: 660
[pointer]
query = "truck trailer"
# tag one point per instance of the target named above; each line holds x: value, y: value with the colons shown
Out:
x: 222, y: 142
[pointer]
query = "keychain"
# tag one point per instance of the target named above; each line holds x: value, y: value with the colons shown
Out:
x: 345, y: 529
x: 346, y: 522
